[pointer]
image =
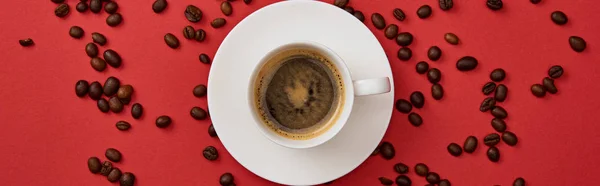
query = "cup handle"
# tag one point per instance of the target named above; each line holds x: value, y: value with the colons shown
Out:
x: 365, y: 87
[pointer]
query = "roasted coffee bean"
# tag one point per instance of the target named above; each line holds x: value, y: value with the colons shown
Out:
x: 171, y: 40
x: 466, y: 63
x: 434, y: 75
x: 494, y: 4
x: 111, y: 7
x: 127, y: 179
x: 210, y: 153
x: 96, y: 6
x: 198, y: 113
x: 434, y: 53
x: 113, y: 155
x: 111, y: 86
x: 535, y: 1
x: 204, y: 59
x: 487, y: 104
x: 103, y: 105
x: 555, y: 71
x: 106, y: 168
x: 422, y: 67
x: 76, y: 32
x: 359, y: 15
x: 200, y: 35
x: 387, y: 150
x: 189, y: 32
x: 451, y: 38
x: 491, y: 139
x: 340, y: 3
x: 510, y: 138
x: 577, y: 43
x: 470, y: 144
x: 403, y: 180
x: 404, y: 39
x: 437, y: 91
x: 218, y: 23
x: 98, y: 64
x: 444, y: 182
x: 95, y: 90
x: 378, y: 21
x: 115, y: 105
x: 112, y: 58
x: 538, y: 90
x: 559, y: 18
x: 403, y: 106
x: 247, y: 1
x: 493, y: 154
x: 226, y: 179
x: 114, y: 175
x: 519, y: 182
x: 433, y: 178
x: 349, y: 9
x: 124, y: 93
x: 549, y: 85
x: 424, y: 11
x: 399, y: 14
x: 499, y: 125
x: 404, y: 54
x: 211, y: 131
x: 99, y: 38
x: 137, y: 110
x: 385, y: 181
x: 488, y: 88
x: 401, y: 168
x: 417, y: 99
x: 454, y: 150
x: 391, y: 31
x: 421, y: 169
x: 26, y: 42
x: 497, y: 75
x: 91, y: 50
x: 501, y: 92
x: 446, y: 4
x: 499, y: 112
x: 415, y: 119
x: 163, y: 121
x: 200, y: 91
x: 114, y: 20
x: 94, y: 165
x: 62, y: 10
x: 123, y: 125
x: 226, y: 8
x: 159, y: 5
x: 58, y: 1
x: 193, y: 13
x: 81, y: 7
x: 81, y: 88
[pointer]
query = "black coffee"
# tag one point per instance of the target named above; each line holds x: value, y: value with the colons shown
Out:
x: 387, y: 150
x: 470, y: 144
x: 95, y: 90
x: 454, y: 149
x: 378, y: 21
x: 210, y: 153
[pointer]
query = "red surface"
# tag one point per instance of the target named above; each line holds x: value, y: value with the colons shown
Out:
x: 48, y: 133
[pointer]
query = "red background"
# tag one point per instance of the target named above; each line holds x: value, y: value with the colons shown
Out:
x: 48, y: 133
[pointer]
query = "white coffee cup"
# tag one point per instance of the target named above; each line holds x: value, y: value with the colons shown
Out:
x: 352, y: 89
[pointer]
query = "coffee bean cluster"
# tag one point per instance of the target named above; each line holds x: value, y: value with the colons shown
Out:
x: 420, y: 169
x: 106, y: 168
x: 417, y: 100
x: 547, y: 85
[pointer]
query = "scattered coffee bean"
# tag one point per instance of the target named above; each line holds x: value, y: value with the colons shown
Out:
x: 446, y: 4
x: 499, y: 125
x: 444, y: 182
x: 399, y: 14
x: 199, y: 91
x: 403, y: 106
x: 210, y: 153
x: 137, y: 110
x: 538, y: 90
x: 114, y: 175
x: 171, y: 40
x: 424, y: 11
x: 189, y: 32
x: 488, y: 88
x: 81, y: 88
x: 422, y: 67
x: 91, y: 50
x: 159, y: 5
x: 499, y: 112
x: 124, y: 93
x: 519, y: 182
x: 218, y: 23
x: 437, y: 91
x: 535, y: 1
x: 385, y: 181
x: 163, y: 121
x: 106, y: 168
x: 94, y: 165
x: 349, y: 9
x: 391, y: 31
x: 359, y: 15
x: 487, y: 104
x: 404, y: 54
x: 555, y: 71
x: 115, y: 105
x: 198, y: 113
x: 114, y: 20
x: 95, y: 90
x: 112, y: 58
x: 494, y: 4
x: 387, y: 150
x: 433, y: 178
x: 454, y: 150
x: 417, y: 99
x: 491, y: 139
x: 103, y: 105
x: 421, y: 169
x: 193, y: 13
x: 340, y: 3
x: 497, y: 75
x: 501, y: 92
x: 226, y: 179
x: 58, y: 1
x: 211, y: 131
x: 401, y: 168
x: 226, y: 8
x: 247, y: 1
x: 111, y: 7
x: 26, y: 42
x: 98, y: 64
x: 76, y: 32
x: 466, y: 63
x: 451, y: 38
x: 509, y: 138
x: 403, y: 180
x: 577, y: 43
x: 434, y: 53
x: 378, y: 21
x: 99, y: 38
x: 62, y: 10
x: 204, y: 58
x: 549, y: 85
x: 415, y: 119
x: 404, y: 39
x: 559, y: 18
x: 111, y: 86
x: 470, y: 144
x: 95, y: 6
x: 493, y: 154
x: 81, y: 7
x: 113, y: 155
x: 127, y: 179
x: 200, y: 35
x: 123, y: 125
x: 434, y: 75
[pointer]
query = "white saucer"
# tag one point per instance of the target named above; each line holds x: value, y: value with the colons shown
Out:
x: 236, y: 59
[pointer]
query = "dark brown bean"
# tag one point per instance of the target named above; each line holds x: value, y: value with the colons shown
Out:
x: 26, y: 42
x: 415, y: 119
x: 437, y: 91
x: 340, y: 3
x: 81, y: 7
x: 434, y: 75
x: 387, y: 150
x: 127, y: 179
x: 466, y: 63
x: 111, y: 7
x: 434, y: 53
x: 211, y: 131
x: 538, y: 90
x: 470, y: 144
x: 95, y: 90
x: 519, y: 182
x: 433, y: 178
x: 113, y: 155
x: 559, y: 18
x: 193, y: 13
x: 204, y: 58
x: 114, y: 175
x: 499, y: 112
x: 200, y: 35
x: 399, y: 14
x: 549, y: 85
x: 378, y: 21
x: 163, y: 121
x: 497, y: 75
x: 112, y: 58
x: 349, y: 9
x: 218, y: 23
x: 199, y: 91
x: 198, y: 113
x: 403, y: 106
x: 501, y: 93
x: 159, y: 5
x: 422, y: 67
x: 493, y: 154
x: 103, y: 105
x: 391, y: 31
x: 577, y: 43
x: 137, y: 110
x: 98, y: 64
x: 385, y: 181
x: 454, y: 149
x: 189, y: 32
x: 106, y: 168
x: 123, y: 125
x: 403, y: 180
x: 446, y: 4
x: 94, y: 165
x: 58, y: 1
x: 115, y: 104
x: 226, y: 179
x: 96, y: 6
x: 491, y: 139
x: 444, y: 182
x: 421, y: 169
x: 401, y: 168
x: 424, y: 11
x: 535, y: 2
x: 510, y: 138
x: 124, y: 93
x: 247, y: 1
x: 76, y: 32
x: 555, y: 71
x: 404, y: 39
x: 111, y: 86
x: 499, y: 125
x: 226, y: 8
x: 210, y: 153
x: 451, y: 38
x: 99, y: 38
x: 487, y: 104
x: 114, y: 20
x: 81, y: 88
x: 404, y: 54
x: 171, y: 41
x: 62, y: 10
x: 494, y: 4
x: 91, y: 50
x: 359, y: 15
x: 488, y: 88
x: 417, y: 99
